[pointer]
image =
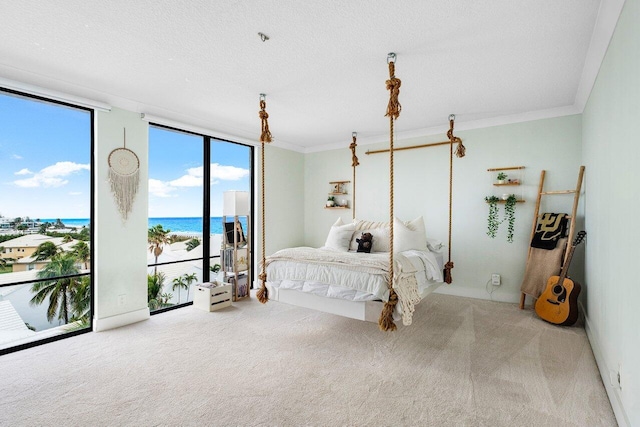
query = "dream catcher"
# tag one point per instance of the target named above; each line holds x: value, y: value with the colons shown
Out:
x: 124, y: 177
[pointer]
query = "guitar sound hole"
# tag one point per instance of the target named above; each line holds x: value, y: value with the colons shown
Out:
x: 557, y: 289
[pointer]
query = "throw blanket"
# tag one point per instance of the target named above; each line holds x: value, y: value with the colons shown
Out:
x: 550, y: 228
x: 541, y: 265
x: 325, y: 265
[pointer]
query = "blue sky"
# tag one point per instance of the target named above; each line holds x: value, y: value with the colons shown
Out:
x: 176, y: 173
x: 45, y: 159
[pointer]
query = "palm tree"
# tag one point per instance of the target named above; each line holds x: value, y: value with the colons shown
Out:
x: 157, y: 237
x: 67, y: 238
x: 81, y: 301
x: 45, y: 250
x: 179, y: 283
x: 43, y: 227
x: 81, y: 252
x: 155, y: 283
x: 192, y: 244
x: 189, y: 279
x: 60, y: 290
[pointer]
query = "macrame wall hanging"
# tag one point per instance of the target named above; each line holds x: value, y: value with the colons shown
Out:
x: 124, y: 177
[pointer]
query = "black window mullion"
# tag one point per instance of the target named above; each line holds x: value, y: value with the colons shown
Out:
x: 206, y: 211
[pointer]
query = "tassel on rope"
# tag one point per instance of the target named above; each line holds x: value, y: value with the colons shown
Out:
x: 265, y: 137
x: 447, y: 272
x: 386, y: 317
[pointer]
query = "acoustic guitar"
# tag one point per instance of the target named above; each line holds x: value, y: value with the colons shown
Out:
x: 558, y: 304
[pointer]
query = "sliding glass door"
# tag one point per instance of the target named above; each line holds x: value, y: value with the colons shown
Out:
x: 188, y: 173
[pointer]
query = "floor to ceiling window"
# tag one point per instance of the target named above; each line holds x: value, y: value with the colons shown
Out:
x: 45, y: 220
x: 188, y: 174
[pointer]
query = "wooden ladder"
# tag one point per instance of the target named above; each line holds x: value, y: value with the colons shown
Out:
x: 572, y: 218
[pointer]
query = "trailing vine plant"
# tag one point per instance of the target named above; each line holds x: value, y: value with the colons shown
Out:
x: 510, y: 216
x: 492, y: 223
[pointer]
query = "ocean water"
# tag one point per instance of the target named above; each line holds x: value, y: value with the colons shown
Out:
x: 175, y: 224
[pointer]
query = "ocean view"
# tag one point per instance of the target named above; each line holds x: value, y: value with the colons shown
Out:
x: 175, y: 224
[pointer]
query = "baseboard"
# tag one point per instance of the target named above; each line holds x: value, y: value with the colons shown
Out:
x: 112, y: 322
x: 612, y: 392
x: 477, y: 293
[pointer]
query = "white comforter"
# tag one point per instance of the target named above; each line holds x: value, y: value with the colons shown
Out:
x: 353, y: 275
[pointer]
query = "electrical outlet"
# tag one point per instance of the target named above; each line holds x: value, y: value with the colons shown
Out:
x: 495, y: 279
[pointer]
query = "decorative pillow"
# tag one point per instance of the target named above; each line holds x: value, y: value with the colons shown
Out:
x: 434, y: 245
x: 410, y: 236
x: 340, y: 236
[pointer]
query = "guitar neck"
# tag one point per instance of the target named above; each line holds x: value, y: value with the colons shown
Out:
x: 565, y: 267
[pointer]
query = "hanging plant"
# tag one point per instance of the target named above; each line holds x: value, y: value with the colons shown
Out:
x: 492, y: 223
x: 510, y: 215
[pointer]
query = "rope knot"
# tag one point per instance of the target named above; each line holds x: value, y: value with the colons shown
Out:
x: 265, y: 135
x: 394, y: 107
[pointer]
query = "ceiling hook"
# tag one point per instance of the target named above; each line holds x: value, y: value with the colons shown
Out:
x: 263, y: 37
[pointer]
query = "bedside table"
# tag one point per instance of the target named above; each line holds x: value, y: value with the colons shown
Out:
x: 208, y: 297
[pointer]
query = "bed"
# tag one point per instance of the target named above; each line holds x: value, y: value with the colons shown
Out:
x: 336, y: 279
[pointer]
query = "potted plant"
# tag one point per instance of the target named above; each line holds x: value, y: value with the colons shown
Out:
x: 331, y: 201
x: 501, y: 177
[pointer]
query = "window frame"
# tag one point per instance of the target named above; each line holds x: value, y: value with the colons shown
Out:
x: 206, y: 207
x: 92, y: 127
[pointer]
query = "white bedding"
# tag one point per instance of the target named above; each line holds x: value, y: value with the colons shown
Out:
x: 356, y: 276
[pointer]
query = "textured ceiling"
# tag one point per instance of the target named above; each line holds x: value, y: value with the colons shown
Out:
x: 323, y: 69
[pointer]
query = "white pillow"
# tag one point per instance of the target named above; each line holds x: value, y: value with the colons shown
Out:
x: 409, y: 236
x: 434, y: 245
x: 340, y: 236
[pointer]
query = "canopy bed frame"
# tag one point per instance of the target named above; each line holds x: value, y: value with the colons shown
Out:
x: 397, y: 282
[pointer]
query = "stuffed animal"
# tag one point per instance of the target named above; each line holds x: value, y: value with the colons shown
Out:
x: 365, y: 243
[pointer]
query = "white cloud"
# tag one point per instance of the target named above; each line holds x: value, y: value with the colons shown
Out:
x: 194, y: 178
x: 51, y: 176
x: 75, y: 193
x: 24, y: 171
x: 16, y: 157
x: 160, y: 189
x: 227, y: 173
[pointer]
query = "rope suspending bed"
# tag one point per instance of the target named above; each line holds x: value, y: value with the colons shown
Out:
x: 393, y: 112
x: 265, y: 137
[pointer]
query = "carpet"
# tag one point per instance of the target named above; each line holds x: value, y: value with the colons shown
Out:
x: 463, y: 362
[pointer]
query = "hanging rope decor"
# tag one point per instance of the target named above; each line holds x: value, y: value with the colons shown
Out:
x: 460, y: 152
x: 265, y: 137
x: 393, y: 112
x: 124, y: 177
x: 354, y: 163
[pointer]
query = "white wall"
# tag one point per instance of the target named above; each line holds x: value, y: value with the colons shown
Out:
x: 421, y: 188
x: 284, y: 180
x: 611, y: 129
x: 120, y: 247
